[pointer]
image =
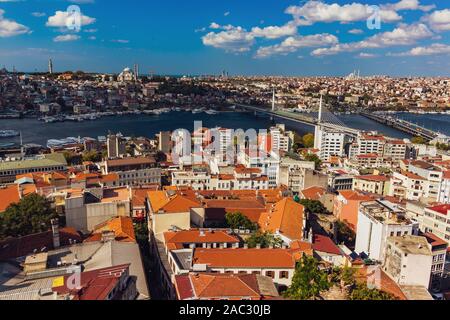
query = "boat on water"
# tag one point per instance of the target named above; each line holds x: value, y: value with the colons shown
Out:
x: 196, y: 111
x: 8, y: 133
x: 211, y: 112
x: 52, y: 143
x: 7, y: 145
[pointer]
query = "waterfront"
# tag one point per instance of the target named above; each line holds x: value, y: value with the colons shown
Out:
x: 34, y: 131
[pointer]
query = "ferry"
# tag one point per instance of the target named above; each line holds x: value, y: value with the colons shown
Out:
x: 211, y: 112
x: 8, y: 133
x: 65, y: 142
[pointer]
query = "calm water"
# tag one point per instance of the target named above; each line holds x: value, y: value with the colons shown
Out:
x: 35, y: 131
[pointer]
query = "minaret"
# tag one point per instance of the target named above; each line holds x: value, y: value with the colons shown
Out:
x: 320, y: 110
x: 50, y: 66
x: 273, y: 100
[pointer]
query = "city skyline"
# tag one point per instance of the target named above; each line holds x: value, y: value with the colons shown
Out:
x: 292, y: 38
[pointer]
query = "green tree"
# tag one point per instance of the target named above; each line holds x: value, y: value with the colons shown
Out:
x: 32, y: 214
x: 239, y: 221
x: 308, y: 140
x: 264, y: 239
x: 314, y: 158
x: 418, y: 140
x: 92, y: 156
x: 345, y: 234
x: 362, y: 292
x: 313, y: 206
x: 308, y: 281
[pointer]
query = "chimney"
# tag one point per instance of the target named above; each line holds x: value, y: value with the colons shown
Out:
x: 55, y: 233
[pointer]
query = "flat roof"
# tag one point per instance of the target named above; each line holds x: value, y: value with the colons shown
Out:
x: 48, y: 160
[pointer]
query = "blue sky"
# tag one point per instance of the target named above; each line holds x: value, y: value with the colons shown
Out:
x: 269, y: 37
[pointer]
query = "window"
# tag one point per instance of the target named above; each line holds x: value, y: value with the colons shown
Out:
x: 284, y: 275
x: 270, y: 274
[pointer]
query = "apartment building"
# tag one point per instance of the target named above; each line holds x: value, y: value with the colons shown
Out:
x: 330, y: 142
x: 85, y: 209
x: 378, y: 220
x: 433, y: 176
x: 395, y: 149
x: 439, y: 250
x: 368, y: 143
x: 408, y: 260
x: 444, y: 188
x: 346, y: 207
x: 280, y: 267
x: 270, y: 166
x: 134, y: 171
x: 196, y: 179
x: 339, y: 180
x: 298, y: 175
x: 436, y: 220
x: 376, y: 184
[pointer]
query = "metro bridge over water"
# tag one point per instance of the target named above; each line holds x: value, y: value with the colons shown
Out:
x: 328, y: 120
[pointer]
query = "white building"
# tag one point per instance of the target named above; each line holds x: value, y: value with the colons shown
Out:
x: 437, y: 221
x: 330, y: 142
x: 408, y: 260
x: 444, y: 188
x: 378, y: 220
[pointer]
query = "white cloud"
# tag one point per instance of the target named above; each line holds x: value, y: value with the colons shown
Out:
x: 38, y: 14
x: 66, y: 38
x: 364, y: 55
x: 317, y: 11
x: 402, y: 35
x: 120, y: 41
x: 214, y: 25
x: 292, y: 44
x: 59, y: 20
x: 11, y: 28
x: 409, y: 5
x: 275, y: 32
x: 226, y: 14
x: 235, y: 39
x: 434, y: 49
x: 438, y: 20
x: 356, y: 31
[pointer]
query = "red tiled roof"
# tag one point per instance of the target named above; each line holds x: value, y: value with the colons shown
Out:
x: 246, y: 258
x: 197, y: 236
x: 434, y: 240
x: 353, y: 195
x: 442, y: 209
x: 22, y: 246
x: 386, y: 284
x: 218, y: 286
x: 313, y: 193
x: 8, y: 196
x: 373, y: 177
x: 122, y: 227
x: 286, y: 217
x: 325, y: 244
x: 96, y: 284
x: 447, y: 175
x: 367, y: 156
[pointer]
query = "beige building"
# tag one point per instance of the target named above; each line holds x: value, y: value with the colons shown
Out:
x: 376, y: 184
x: 86, y: 209
x: 408, y: 260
